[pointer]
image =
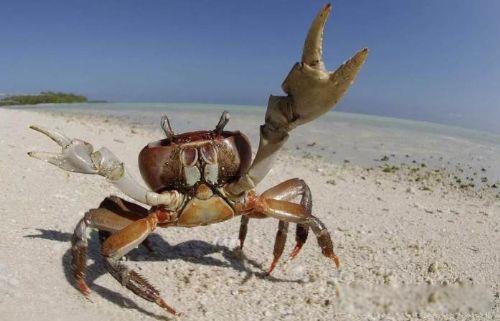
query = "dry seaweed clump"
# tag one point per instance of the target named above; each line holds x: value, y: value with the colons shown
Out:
x: 428, y: 178
x: 390, y: 168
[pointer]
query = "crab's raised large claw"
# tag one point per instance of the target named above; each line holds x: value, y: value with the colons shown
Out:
x: 78, y: 156
x: 311, y: 91
x: 315, y: 91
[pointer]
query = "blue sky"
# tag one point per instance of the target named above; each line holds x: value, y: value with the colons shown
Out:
x: 436, y: 60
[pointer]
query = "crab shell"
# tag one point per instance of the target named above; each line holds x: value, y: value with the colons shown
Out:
x: 197, y: 164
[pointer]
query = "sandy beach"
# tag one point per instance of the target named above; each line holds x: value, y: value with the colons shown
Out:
x: 415, y: 242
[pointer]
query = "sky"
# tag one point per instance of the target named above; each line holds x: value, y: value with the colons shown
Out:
x: 433, y: 60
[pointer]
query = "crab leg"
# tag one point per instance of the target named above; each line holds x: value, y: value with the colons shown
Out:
x: 288, y: 191
x: 301, y: 233
x: 243, y: 230
x: 113, y: 214
x: 311, y: 91
x: 295, y: 213
x: 279, y: 244
x: 122, y: 242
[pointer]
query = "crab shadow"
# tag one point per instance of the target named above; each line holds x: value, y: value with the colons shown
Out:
x: 195, y: 251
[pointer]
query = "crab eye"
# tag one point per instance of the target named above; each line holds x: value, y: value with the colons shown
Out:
x: 189, y: 156
x: 209, y: 154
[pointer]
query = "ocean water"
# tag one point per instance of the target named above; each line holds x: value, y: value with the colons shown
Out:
x: 335, y: 137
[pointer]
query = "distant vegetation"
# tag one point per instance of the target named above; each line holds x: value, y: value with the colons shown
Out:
x: 45, y: 97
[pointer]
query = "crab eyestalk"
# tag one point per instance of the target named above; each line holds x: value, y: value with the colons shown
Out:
x: 167, y: 128
x: 224, y: 119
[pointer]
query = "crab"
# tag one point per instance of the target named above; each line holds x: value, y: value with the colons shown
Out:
x: 206, y: 177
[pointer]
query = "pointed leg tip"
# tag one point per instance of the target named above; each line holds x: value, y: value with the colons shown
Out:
x: 167, y: 307
x: 83, y: 287
x: 271, y: 268
x: 336, y: 260
x: 295, y: 252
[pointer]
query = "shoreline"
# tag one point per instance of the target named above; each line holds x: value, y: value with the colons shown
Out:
x: 476, y: 175
x: 409, y: 248
x: 251, y: 108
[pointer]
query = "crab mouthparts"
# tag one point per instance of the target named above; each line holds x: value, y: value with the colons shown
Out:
x: 203, y: 192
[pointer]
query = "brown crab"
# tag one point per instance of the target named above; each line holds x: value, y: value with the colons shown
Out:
x: 205, y: 177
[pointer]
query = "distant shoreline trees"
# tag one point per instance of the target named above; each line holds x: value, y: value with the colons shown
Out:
x: 45, y: 97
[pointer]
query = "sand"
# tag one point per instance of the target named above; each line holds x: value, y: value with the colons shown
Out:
x: 413, y: 244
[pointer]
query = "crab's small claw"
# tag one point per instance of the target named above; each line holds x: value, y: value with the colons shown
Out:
x: 75, y: 154
x: 79, y: 156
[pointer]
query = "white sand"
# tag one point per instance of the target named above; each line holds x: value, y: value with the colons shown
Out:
x: 407, y: 252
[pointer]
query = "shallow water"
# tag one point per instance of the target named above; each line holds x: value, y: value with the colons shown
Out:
x: 336, y: 137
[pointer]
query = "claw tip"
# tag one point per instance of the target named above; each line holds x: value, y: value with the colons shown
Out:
x: 82, y: 287
x: 327, y: 8
x: 364, y: 51
x: 361, y: 55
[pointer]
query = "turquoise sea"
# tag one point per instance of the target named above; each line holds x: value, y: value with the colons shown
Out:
x: 336, y: 137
